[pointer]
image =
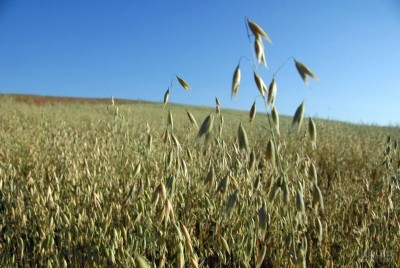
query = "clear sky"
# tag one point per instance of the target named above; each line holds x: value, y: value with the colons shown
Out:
x: 132, y: 49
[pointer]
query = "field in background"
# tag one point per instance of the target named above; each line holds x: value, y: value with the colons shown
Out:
x: 117, y: 185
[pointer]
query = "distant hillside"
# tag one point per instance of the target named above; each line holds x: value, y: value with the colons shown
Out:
x: 42, y: 100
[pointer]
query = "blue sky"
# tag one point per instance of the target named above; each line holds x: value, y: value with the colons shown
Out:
x: 132, y: 49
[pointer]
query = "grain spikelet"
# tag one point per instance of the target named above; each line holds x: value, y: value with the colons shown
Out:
x: 260, y: 84
x: 192, y: 119
x: 270, y: 154
x: 313, y: 133
x: 206, y: 126
x: 319, y: 229
x: 176, y: 142
x: 259, y: 49
x: 263, y: 219
x: 236, y: 82
x: 166, y: 97
x: 253, y: 112
x: 223, y: 184
x: 149, y: 142
x: 313, y: 173
x: 217, y: 106
x: 231, y: 203
x: 275, y: 119
x: 261, y: 256
x: 210, y: 176
x: 300, y: 207
x: 242, y: 138
x: 170, y: 120
x: 258, y: 31
x: 225, y: 245
x: 183, y: 83
x: 304, y: 72
x: 188, y: 241
x: 180, y: 256
x: 317, y: 198
x: 272, y: 93
x: 252, y: 160
x: 298, y: 117
x: 141, y: 262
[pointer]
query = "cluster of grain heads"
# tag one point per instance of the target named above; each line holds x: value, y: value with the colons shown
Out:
x: 236, y: 82
x: 304, y: 72
x: 298, y: 117
x: 259, y: 33
x: 312, y: 129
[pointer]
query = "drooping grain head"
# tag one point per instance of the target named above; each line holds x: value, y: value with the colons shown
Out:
x: 183, y: 83
x: 298, y: 116
x: 170, y: 120
x: 236, y: 82
x: 253, y: 112
x: 192, y: 119
x: 275, y: 119
x: 270, y: 153
x: 272, y: 93
x: 206, y: 126
x: 259, y: 50
x: 312, y: 129
x: 258, y: 31
x: 304, y: 72
x: 260, y: 84
x: 242, y: 138
x: 217, y: 106
x: 166, y: 97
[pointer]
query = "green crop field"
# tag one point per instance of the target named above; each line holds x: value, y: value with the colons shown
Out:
x: 102, y: 184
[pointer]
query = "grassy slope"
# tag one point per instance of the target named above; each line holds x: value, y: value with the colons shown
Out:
x: 64, y: 139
